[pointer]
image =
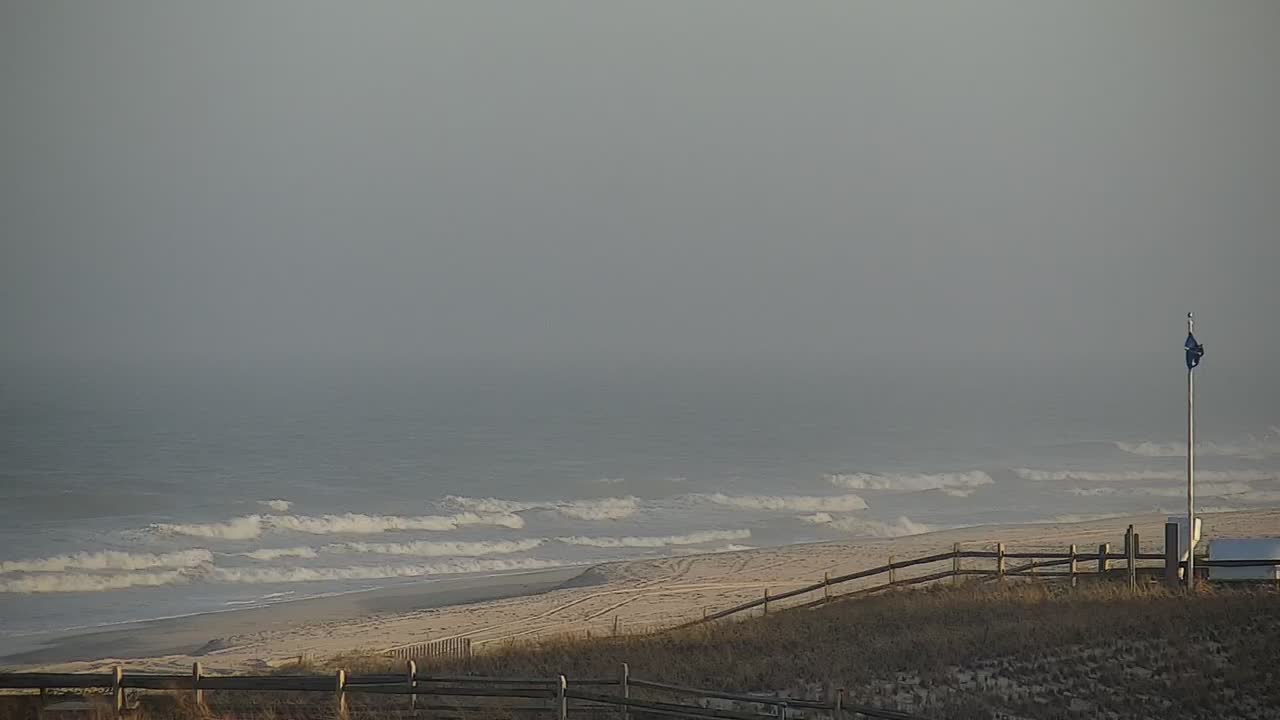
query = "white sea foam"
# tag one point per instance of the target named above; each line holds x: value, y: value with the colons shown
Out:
x: 90, y: 582
x: 252, y: 526
x: 109, y: 560
x: 241, y: 528
x: 957, y: 492
x: 1145, y: 474
x: 603, y: 509
x: 821, y: 518
x: 372, y: 572
x: 910, y: 482
x: 356, y: 523
x: 424, y: 548
x: 492, y: 505
x: 788, y: 503
x: 874, y: 528
x: 1207, y: 489
x: 277, y: 553
x: 611, y: 480
x: 597, y: 509
x: 695, y: 538
x: 277, y: 504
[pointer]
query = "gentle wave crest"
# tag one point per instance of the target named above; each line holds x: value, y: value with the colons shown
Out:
x: 1251, y: 447
x: 251, y: 526
x: 1146, y: 474
x: 696, y: 538
x: 614, y: 508
x: 910, y: 482
x: 372, y: 572
x: 1207, y: 489
x: 874, y: 528
x: 90, y: 582
x: 788, y: 503
x: 423, y: 548
x: 110, y: 560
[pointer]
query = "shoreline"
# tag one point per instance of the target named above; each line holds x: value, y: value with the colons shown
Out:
x: 633, y: 595
x: 182, y: 634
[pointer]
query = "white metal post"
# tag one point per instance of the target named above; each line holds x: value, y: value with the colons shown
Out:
x: 1191, y: 471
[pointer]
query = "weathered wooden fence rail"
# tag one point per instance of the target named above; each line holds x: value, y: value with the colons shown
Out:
x: 1078, y: 564
x: 455, y: 647
x: 555, y: 693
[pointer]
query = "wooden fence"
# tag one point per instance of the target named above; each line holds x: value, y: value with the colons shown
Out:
x: 1071, y: 565
x: 454, y: 647
x: 560, y: 696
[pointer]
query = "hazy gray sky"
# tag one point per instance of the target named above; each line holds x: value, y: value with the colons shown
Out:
x: 239, y: 183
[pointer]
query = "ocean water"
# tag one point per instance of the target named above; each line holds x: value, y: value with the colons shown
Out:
x: 142, y: 496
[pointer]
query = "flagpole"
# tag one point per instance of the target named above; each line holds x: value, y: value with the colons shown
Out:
x: 1191, y: 469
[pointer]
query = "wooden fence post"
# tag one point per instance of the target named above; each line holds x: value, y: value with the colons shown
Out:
x: 839, y: 706
x: 340, y: 693
x: 117, y: 689
x: 1171, y: 555
x: 766, y: 601
x: 562, y: 701
x: 826, y: 586
x: 1103, y: 549
x: 1000, y: 561
x: 1072, y: 552
x: 893, y: 576
x: 624, y: 680
x: 782, y: 711
x: 411, y: 678
x: 197, y: 695
x: 955, y: 564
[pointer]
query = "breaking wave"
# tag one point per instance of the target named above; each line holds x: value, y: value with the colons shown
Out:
x: 424, y: 548
x: 874, y: 528
x: 788, y: 503
x: 910, y: 483
x: 354, y: 523
x: 1149, y: 474
x: 378, y: 572
x: 90, y: 582
x: 277, y: 504
x: 696, y: 538
x: 606, y: 509
x: 277, y: 553
x: 600, y: 509
x: 252, y: 526
x: 109, y: 560
x: 241, y: 528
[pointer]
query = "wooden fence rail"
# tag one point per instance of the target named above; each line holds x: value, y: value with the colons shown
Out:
x: 554, y: 692
x: 1101, y: 562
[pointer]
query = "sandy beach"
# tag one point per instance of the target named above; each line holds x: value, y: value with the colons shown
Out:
x: 632, y: 596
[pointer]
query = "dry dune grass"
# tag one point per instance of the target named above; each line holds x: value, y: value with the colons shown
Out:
x: 975, y: 651
x: 1033, y: 650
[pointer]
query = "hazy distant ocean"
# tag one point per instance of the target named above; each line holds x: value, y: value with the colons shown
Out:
x: 146, y: 497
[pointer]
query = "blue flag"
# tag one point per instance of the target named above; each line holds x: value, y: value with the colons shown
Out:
x: 1195, y: 351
